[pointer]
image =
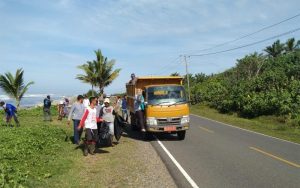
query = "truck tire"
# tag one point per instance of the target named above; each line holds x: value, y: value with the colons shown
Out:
x: 181, y: 135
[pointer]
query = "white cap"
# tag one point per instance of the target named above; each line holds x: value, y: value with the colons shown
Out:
x: 106, y: 100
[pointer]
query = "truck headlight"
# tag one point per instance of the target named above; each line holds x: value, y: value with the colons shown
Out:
x: 151, y: 121
x: 185, y: 119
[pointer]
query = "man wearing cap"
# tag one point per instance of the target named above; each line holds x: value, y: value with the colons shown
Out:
x: 107, y: 115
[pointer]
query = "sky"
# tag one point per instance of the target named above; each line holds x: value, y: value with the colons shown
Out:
x: 49, y: 39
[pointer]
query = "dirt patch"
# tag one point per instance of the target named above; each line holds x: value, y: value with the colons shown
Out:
x: 131, y: 163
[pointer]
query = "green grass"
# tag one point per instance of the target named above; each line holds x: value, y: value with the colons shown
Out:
x: 268, y: 125
x: 34, y: 152
x: 37, y: 154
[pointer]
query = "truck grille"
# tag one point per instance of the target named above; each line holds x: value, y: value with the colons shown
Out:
x: 168, y: 121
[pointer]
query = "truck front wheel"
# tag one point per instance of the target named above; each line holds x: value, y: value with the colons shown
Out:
x: 181, y: 135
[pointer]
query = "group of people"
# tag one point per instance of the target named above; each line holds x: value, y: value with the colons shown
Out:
x: 62, y: 108
x: 91, y: 115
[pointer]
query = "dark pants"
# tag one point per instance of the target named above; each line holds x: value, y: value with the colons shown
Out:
x: 8, y: 120
x: 140, y: 119
x: 91, y: 136
x: 47, y: 114
x: 77, y: 133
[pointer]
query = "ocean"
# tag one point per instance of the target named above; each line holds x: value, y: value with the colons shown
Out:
x: 30, y: 100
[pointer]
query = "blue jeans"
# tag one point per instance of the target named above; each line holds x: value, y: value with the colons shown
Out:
x: 77, y: 133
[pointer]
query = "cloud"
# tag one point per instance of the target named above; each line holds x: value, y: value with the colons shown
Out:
x: 143, y: 36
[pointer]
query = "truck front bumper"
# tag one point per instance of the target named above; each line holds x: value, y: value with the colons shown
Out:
x: 157, y: 128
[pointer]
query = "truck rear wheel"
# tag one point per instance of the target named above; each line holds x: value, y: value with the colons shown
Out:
x: 181, y: 135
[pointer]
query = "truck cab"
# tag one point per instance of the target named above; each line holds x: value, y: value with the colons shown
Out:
x: 167, y: 108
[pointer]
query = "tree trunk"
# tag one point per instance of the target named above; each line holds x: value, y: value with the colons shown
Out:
x: 101, y: 88
x: 18, y: 103
x: 93, y: 94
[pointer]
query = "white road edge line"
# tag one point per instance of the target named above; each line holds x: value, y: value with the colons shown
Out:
x: 185, y: 174
x: 245, y: 129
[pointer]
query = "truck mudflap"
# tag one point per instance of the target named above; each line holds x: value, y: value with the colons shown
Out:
x: 168, y: 129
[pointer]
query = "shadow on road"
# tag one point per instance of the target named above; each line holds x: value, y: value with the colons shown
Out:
x: 129, y: 133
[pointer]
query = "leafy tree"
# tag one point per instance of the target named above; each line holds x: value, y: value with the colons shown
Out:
x: 14, y: 85
x: 250, y: 66
x: 258, y: 84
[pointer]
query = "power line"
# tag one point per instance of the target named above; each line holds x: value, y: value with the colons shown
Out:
x: 250, y: 34
x: 234, y: 40
x: 168, y: 65
x: 246, y: 45
x: 172, y: 67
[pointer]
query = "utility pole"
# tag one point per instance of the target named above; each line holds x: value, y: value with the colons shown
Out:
x: 187, y: 77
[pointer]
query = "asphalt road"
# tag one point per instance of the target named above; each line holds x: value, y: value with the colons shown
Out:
x: 217, y: 155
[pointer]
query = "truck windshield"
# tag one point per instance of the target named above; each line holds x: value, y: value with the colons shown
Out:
x: 165, y: 95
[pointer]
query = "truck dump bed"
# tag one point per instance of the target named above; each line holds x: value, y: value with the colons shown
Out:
x: 142, y: 82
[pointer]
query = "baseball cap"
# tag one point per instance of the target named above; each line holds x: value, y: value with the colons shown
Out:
x: 106, y: 100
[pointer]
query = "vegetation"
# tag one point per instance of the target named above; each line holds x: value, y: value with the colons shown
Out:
x: 14, y: 85
x: 259, y: 85
x: 99, y: 72
x: 41, y: 154
x: 32, y: 153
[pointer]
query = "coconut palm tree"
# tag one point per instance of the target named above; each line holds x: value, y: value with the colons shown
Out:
x: 175, y: 74
x: 275, y: 49
x: 292, y: 45
x: 90, y: 74
x: 105, y: 72
x: 99, y: 72
x: 14, y: 85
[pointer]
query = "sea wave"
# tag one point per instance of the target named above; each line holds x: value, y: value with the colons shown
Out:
x: 6, y: 97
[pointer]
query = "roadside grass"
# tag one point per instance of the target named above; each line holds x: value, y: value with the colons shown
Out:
x: 32, y: 153
x: 41, y: 154
x: 268, y: 125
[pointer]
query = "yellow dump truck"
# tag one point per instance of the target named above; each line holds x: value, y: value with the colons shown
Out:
x: 166, y: 104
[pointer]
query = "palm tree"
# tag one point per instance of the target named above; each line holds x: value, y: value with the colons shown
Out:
x: 175, y: 74
x: 90, y: 74
x: 14, y: 85
x: 275, y: 49
x: 99, y: 72
x: 104, y: 69
x: 291, y: 45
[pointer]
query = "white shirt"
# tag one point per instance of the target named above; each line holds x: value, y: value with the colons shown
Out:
x: 86, y: 103
x: 90, y: 116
